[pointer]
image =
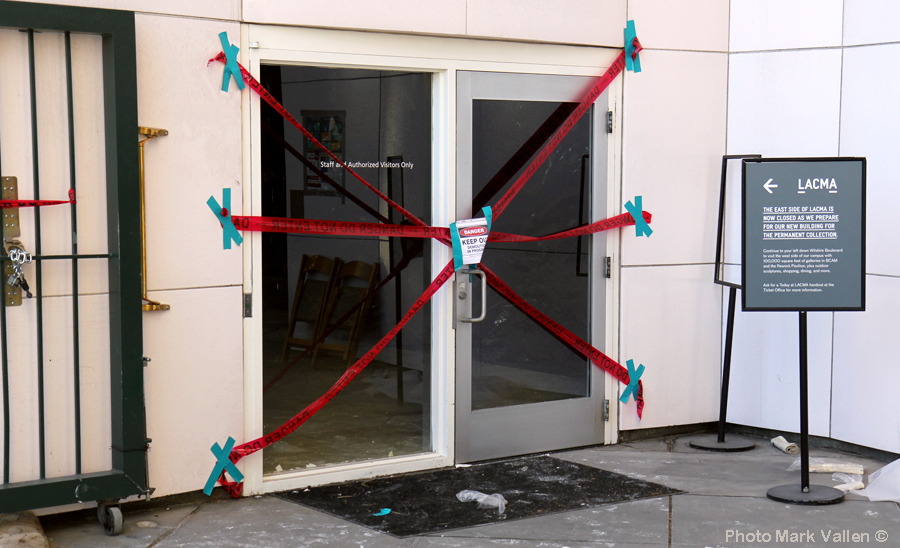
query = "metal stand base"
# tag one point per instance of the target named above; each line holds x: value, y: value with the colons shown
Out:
x: 711, y: 443
x: 818, y: 495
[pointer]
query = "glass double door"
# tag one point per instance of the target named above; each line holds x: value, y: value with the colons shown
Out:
x: 519, y: 389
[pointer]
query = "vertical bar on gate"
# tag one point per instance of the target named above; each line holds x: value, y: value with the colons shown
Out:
x: 37, y: 251
x: 75, y: 335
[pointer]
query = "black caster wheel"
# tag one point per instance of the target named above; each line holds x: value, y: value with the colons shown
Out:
x: 110, y: 518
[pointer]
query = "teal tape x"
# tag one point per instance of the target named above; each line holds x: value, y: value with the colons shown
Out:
x: 637, y: 211
x: 632, y: 59
x: 222, y: 463
x: 224, y: 215
x: 457, y: 245
x: 633, y: 378
x: 231, y: 66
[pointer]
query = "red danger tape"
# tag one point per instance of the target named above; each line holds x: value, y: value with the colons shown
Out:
x: 341, y: 228
x: 267, y: 97
x: 596, y: 89
x: 565, y: 336
x: 260, y: 443
x: 4, y: 204
x: 421, y: 230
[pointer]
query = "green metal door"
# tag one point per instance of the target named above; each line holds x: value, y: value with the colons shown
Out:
x: 40, y: 39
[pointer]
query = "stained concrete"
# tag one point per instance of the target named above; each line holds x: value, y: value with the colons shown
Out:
x: 724, y: 506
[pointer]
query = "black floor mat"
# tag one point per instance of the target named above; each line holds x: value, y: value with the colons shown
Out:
x: 426, y: 502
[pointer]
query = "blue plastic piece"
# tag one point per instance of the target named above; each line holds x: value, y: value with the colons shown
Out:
x: 231, y: 66
x: 632, y: 60
x: 383, y: 512
x: 222, y: 463
x: 633, y: 378
x: 637, y: 211
x: 229, y: 232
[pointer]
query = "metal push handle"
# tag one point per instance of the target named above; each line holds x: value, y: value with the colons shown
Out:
x: 480, y: 274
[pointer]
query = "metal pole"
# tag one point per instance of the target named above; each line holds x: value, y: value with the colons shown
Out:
x: 804, y: 411
x: 726, y: 366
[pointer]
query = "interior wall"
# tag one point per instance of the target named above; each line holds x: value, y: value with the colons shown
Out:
x: 816, y: 78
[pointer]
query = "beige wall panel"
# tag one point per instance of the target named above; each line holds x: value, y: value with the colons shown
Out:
x: 671, y: 323
x: 200, y: 156
x: 564, y: 21
x: 194, y: 384
x: 214, y: 9
x: 673, y: 145
x: 675, y: 24
x: 417, y: 16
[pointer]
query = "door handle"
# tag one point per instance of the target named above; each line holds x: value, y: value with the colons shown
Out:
x: 480, y: 274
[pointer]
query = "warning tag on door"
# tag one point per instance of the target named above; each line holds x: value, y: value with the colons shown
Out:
x: 469, y: 238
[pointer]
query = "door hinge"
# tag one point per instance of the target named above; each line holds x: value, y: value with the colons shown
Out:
x: 609, y: 267
x: 248, y: 305
x: 609, y: 121
x: 606, y: 410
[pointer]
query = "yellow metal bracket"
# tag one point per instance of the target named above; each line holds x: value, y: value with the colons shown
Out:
x: 11, y: 231
x: 147, y: 304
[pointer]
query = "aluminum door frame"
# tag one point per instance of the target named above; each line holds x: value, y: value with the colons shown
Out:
x: 545, y: 426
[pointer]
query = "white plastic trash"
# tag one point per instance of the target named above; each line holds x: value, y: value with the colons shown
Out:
x: 884, y: 484
x: 484, y: 501
x: 829, y: 465
x: 785, y: 445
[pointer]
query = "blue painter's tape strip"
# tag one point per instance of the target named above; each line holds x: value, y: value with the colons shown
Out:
x: 633, y: 378
x: 457, y: 247
x: 632, y: 61
x: 222, y: 463
x: 231, y: 66
x: 637, y: 211
x: 229, y: 232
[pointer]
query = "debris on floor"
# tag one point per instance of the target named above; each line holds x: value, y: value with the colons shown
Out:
x: 786, y: 446
x: 484, y: 501
x: 829, y: 466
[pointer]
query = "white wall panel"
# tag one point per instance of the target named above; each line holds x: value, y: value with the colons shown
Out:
x: 671, y: 323
x: 869, y: 122
x: 674, y: 132
x: 675, y: 24
x: 785, y: 103
x: 563, y: 21
x: 776, y: 24
x: 419, y: 16
x: 765, y: 369
x: 871, y: 21
x: 866, y: 377
x: 193, y: 385
x: 200, y: 156
x: 214, y: 9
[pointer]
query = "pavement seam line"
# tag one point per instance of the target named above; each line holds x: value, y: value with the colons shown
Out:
x: 181, y: 522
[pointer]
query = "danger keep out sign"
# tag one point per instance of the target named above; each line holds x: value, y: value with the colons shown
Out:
x: 472, y: 235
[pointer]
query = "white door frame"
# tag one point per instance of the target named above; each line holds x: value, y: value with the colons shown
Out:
x: 443, y: 57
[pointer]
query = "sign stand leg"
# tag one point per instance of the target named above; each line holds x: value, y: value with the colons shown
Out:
x: 805, y: 493
x: 709, y: 443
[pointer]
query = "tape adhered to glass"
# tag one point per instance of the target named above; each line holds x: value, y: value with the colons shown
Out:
x: 4, y: 204
x: 421, y: 230
x: 573, y: 341
x: 596, y: 89
x: 235, y: 488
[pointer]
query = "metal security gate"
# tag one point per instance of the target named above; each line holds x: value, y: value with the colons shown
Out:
x: 71, y: 356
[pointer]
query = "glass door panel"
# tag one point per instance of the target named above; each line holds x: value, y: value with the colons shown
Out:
x: 519, y: 389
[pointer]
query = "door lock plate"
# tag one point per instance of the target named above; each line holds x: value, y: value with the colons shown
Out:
x: 13, y: 295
